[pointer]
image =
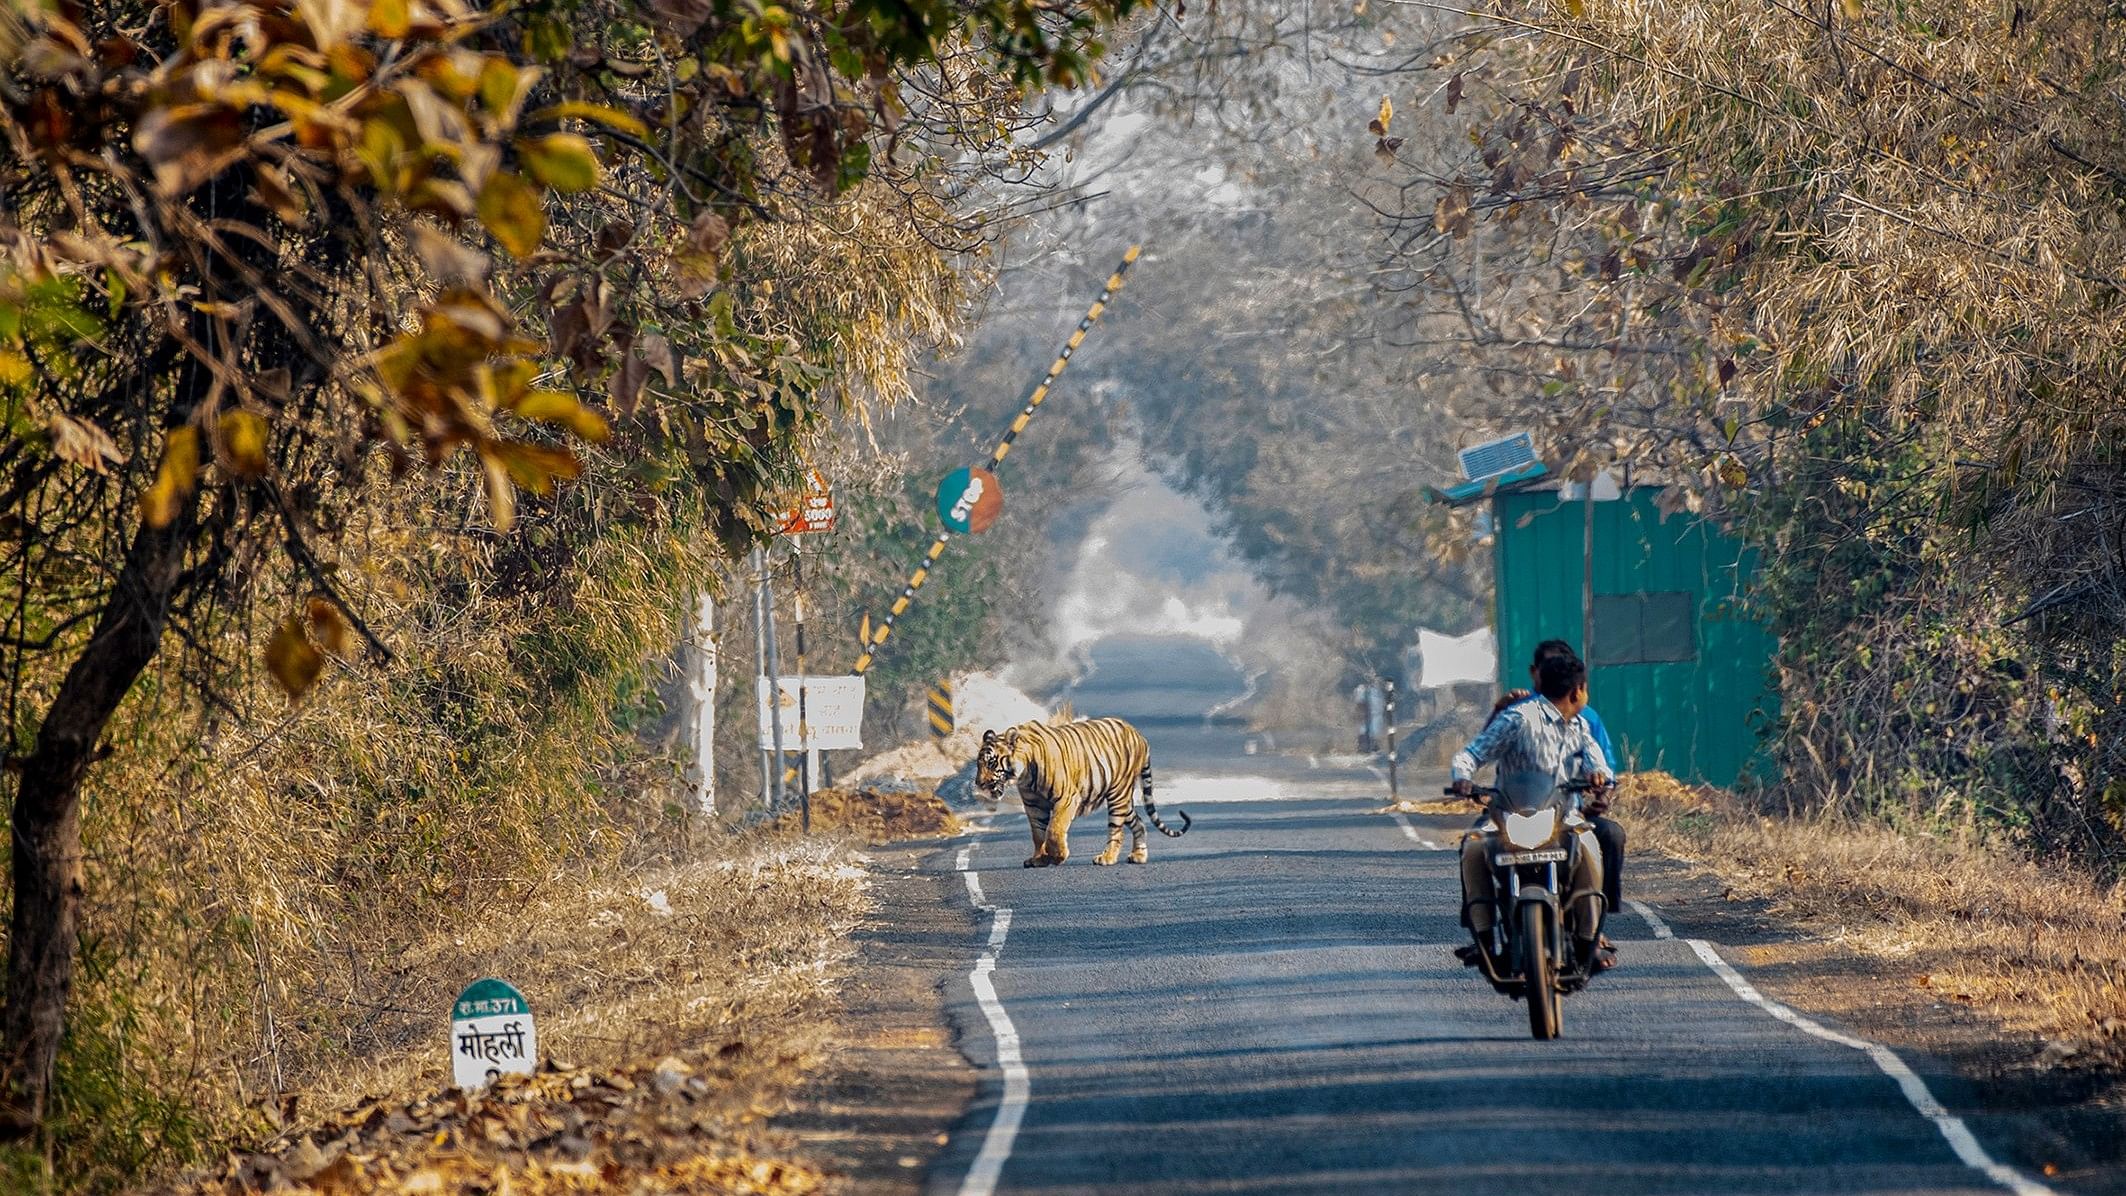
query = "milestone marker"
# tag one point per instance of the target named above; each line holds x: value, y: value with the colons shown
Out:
x: 491, y: 1035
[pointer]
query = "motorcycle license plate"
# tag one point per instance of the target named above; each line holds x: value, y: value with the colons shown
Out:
x: 1509, y: 859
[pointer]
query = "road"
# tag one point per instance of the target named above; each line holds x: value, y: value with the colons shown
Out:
x: 1270, y: 1006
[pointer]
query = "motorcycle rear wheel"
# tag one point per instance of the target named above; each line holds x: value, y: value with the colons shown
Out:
x: 1539, y: 975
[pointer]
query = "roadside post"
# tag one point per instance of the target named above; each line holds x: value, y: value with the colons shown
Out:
x: 1390, y: 686
x: 491, y: 1034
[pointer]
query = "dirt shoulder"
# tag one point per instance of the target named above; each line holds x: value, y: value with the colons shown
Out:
x: 893, y: 1079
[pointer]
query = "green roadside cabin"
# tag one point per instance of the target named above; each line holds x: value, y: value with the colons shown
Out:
x: 1677, y: 668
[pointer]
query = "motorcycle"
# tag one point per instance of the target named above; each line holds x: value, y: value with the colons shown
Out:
x: 1532, y: 836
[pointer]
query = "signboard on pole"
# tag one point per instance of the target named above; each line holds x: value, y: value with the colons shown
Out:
x: 969, y: 500
x: 491, y: 1035
x: 814, y: 511
x: 834, y: 712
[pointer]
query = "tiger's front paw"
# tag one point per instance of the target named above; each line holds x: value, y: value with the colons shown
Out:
x: 1107, y: 857
x: 1034, y: 861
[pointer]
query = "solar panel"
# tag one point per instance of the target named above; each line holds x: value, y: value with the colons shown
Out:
x: 1495, y: 457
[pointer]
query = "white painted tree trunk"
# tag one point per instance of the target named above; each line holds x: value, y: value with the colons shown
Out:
x: 702, y: 688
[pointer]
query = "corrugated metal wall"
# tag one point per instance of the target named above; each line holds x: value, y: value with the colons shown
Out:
x: 1695, y: 718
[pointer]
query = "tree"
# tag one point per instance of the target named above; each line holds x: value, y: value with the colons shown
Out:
x: 259, y: 256
x: 1839, y: 270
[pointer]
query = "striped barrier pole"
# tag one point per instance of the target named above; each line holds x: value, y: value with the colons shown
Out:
x: 996, y: 458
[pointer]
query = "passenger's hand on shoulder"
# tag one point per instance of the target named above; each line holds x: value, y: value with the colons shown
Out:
x: 1509, y: 698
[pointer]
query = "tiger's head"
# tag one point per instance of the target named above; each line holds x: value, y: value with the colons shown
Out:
x: 998, y: 764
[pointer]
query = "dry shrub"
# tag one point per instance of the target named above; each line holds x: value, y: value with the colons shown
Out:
x: 2034, y: 944
x: 1449, y: 807
x: 881, y: 817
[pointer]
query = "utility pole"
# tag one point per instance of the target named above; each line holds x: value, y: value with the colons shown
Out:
x: 808, y: 763
x: 702, y: 689
x: 762, y: 664
x: 774, y: 665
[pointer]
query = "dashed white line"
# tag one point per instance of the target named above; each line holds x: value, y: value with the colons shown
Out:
x: 1953, y: 1130
x: 1011, y: 1111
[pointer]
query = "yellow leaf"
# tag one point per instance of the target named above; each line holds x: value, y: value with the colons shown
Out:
x: 330, y: 626
x: 1852, y: 9
x: 510, y: 209
x: 294, y: 661
x: 503, y: 87
x: 558, y: 407
x: 241, y: 442
x: 500, y: 494
x: 1578, y: 8
x: 611, y: 118
x: 562, y: 161
x: 15, y: 369
x: 1379, y: 126
x: 536, y: 467
x: 174, y: 480
x: 390, y: 19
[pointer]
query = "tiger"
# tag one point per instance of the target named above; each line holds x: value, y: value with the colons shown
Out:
x: 1066, y: 769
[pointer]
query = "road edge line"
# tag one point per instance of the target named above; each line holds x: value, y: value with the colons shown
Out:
x: 989, y: 1162
x: 1962, y: 1142
x: 1653, y: 920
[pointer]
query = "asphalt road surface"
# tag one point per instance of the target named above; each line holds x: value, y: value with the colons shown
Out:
x: 1270, y: 1006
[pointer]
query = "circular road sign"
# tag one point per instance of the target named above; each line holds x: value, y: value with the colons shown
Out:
x: 969, y: 500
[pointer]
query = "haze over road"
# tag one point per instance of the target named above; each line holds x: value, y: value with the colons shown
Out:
x: 1270, y: 1006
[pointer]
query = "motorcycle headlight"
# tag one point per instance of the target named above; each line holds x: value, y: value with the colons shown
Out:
x: 1530, y: 831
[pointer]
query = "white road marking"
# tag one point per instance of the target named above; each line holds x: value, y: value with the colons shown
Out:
x: 1416, y: 838
x: 1653, y: 920
x: 1915, y: 1090
x: 996, y: 1144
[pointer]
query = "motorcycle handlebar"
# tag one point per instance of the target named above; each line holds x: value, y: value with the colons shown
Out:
x: 1492, y: 790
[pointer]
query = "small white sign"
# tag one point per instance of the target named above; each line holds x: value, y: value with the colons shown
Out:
x: 1456, y: 659
x: 491, y: 1035
x: 834, y: 710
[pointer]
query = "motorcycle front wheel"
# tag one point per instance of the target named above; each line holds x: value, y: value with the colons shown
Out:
x: 1539, y: 974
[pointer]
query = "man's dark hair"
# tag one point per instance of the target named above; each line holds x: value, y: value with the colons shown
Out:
x: 1549, y: 648
x: 1556, y: 677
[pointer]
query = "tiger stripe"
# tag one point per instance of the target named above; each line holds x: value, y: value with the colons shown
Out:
x: 1063, y: 770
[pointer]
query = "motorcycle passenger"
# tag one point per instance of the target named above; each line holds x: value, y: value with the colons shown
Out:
x: 1546, y: 736
x: 1608, y: 831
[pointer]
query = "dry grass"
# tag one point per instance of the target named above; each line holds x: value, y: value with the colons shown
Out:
x: 2035, y: 945
x: 642, y: 965
x: 728, y: 966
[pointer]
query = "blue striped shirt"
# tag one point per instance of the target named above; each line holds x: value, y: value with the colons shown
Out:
x: 1535, y: 737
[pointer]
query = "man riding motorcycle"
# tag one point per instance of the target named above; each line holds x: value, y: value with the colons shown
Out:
x: 1607, y: 831
x: 1546, y: 736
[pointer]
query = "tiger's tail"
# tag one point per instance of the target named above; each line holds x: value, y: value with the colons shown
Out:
x: 1151, y: 811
